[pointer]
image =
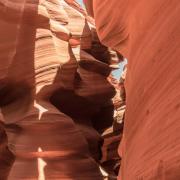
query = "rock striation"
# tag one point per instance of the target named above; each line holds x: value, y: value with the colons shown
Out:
x: 147, y: 33
x: 53, y: 91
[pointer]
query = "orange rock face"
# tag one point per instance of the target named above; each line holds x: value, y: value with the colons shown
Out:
x: 148, y: 34
x: 51, y: 85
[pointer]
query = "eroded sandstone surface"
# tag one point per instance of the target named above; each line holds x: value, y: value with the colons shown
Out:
x: 147, y: 33
x: 55, y: 97
x: 58, y: 99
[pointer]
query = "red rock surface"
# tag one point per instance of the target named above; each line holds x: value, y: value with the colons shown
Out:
x: 53, y: 91
x: 148, y: 34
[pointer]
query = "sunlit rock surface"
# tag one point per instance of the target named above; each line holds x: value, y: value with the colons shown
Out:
x: 53, y: 91
x: 147, y: 33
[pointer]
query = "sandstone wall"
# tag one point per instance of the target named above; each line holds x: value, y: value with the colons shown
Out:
x: 148, y: 34
x: 51, y: 85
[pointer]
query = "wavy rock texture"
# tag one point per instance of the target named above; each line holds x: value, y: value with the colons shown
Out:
x: 53, y: 90
x: 148, y: 34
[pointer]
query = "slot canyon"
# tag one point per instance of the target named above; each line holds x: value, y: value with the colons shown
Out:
x: 65, y: 114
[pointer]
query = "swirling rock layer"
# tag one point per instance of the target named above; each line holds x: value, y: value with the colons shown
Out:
x: 148, y: 34
x: 51, y: 86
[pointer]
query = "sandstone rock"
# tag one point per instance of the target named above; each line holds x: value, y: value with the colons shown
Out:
x: 45, y: 51
x: 147, y: 34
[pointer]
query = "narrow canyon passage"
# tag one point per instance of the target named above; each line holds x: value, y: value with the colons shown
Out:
x: 64, y: 116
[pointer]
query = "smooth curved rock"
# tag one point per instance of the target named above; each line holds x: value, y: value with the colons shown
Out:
x: 148, y: 34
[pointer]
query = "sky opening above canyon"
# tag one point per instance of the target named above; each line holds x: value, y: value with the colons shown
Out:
x: 81, y: 2
x: 116, y: 73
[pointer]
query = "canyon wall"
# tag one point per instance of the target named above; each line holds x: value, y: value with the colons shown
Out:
x: 53, y: 91
x: 148, y: 34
